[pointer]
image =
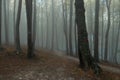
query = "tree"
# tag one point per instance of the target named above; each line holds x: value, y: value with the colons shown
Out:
x: 96, y: 33
x: 64, y: 9
x: 108, y: 3
x: 53, y: 25
x: 29, y: 28
x: 113, y: 32
x: 47, y: 21
x: 70, y: 27
x: 102, y: 29
x: 14, y: 16
x: 86, y: 60
x: 0, y: 23
x: 42, y: 32
x: 17, y: 26
x: 34, y: 26
x: 117, y: 40
x: 6, y: 22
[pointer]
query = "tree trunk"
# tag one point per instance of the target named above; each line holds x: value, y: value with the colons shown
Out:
x: 107, y: 32
x: 14, y: 16
x: 0, y: 24
x: 17, y: 31
x: 65, y: 26
x: 53, y: 25
x: 96, y: 33
x: 102, y: 37
x: 6, y: 23
x: 117, y: 40
x: 70, y: 27
x: 47, y: 25
x: 86, y: 60
x: 29, y: 27
x: 34, y: 26
x: 42, y: 32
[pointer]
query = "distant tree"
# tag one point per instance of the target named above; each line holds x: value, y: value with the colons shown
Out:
x: 34, y: 25
x: 53, y: 26
x: 65, y: 24
x: 86, y: 60
x: 113, y: 33
x: 108, y: 4
x: 47, y: 24
x: 70, y: 27
x: 17, y: 27
x: 14, y: 16
x: 117, y: 40
x: 29, y: 28
x: 42, y: 32
x: 6, y: 21
x: 96, y: 32
x: 0, y: 24
x: 102, y: 28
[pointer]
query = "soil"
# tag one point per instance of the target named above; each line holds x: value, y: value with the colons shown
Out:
x: 46, y: 65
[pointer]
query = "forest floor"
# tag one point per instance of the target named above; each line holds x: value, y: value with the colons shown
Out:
x: 47, y: 65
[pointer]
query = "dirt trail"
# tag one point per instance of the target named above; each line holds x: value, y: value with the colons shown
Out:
x: 111, y: 69
x: 104, y: 67
x: 47, y: 65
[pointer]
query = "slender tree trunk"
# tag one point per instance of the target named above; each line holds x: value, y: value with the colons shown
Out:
x: 96, y: 33
x: 113, y: 37
x: 17, y: 31
x: 117, y: 40
x: 0, y: 24
x: 107, y: 32
x: 53, y: 25
x: 102, y: 36
x: 47, y: 25
x: 70, y: 27
x: 56, y: 34
x: 76, y: 44
x: 65, y: 26
x: 34, y: 26
x: 42, y: 32
x: 86, y: 60
x: 6, y: 23
x: 14, y: 16
x: 29, y: 27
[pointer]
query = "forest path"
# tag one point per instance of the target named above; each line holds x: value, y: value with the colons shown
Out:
x: 46, y: 65
x: 107, y: 67
x: 110, y: 68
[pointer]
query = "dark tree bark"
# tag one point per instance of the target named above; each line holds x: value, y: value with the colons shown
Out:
x: 34, y: 26
x: 17, y: 26
x: 29, y: 28
x: 96, y: 33
x: 86, y: 60
x: 70, y: 27
x: 0, y: 23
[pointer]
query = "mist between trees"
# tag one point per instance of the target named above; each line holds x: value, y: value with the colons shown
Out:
x: 56, y: 28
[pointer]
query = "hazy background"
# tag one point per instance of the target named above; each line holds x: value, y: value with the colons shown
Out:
x: 45, y: 12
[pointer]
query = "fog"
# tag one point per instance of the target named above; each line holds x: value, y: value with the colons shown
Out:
x: 51, y: 26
